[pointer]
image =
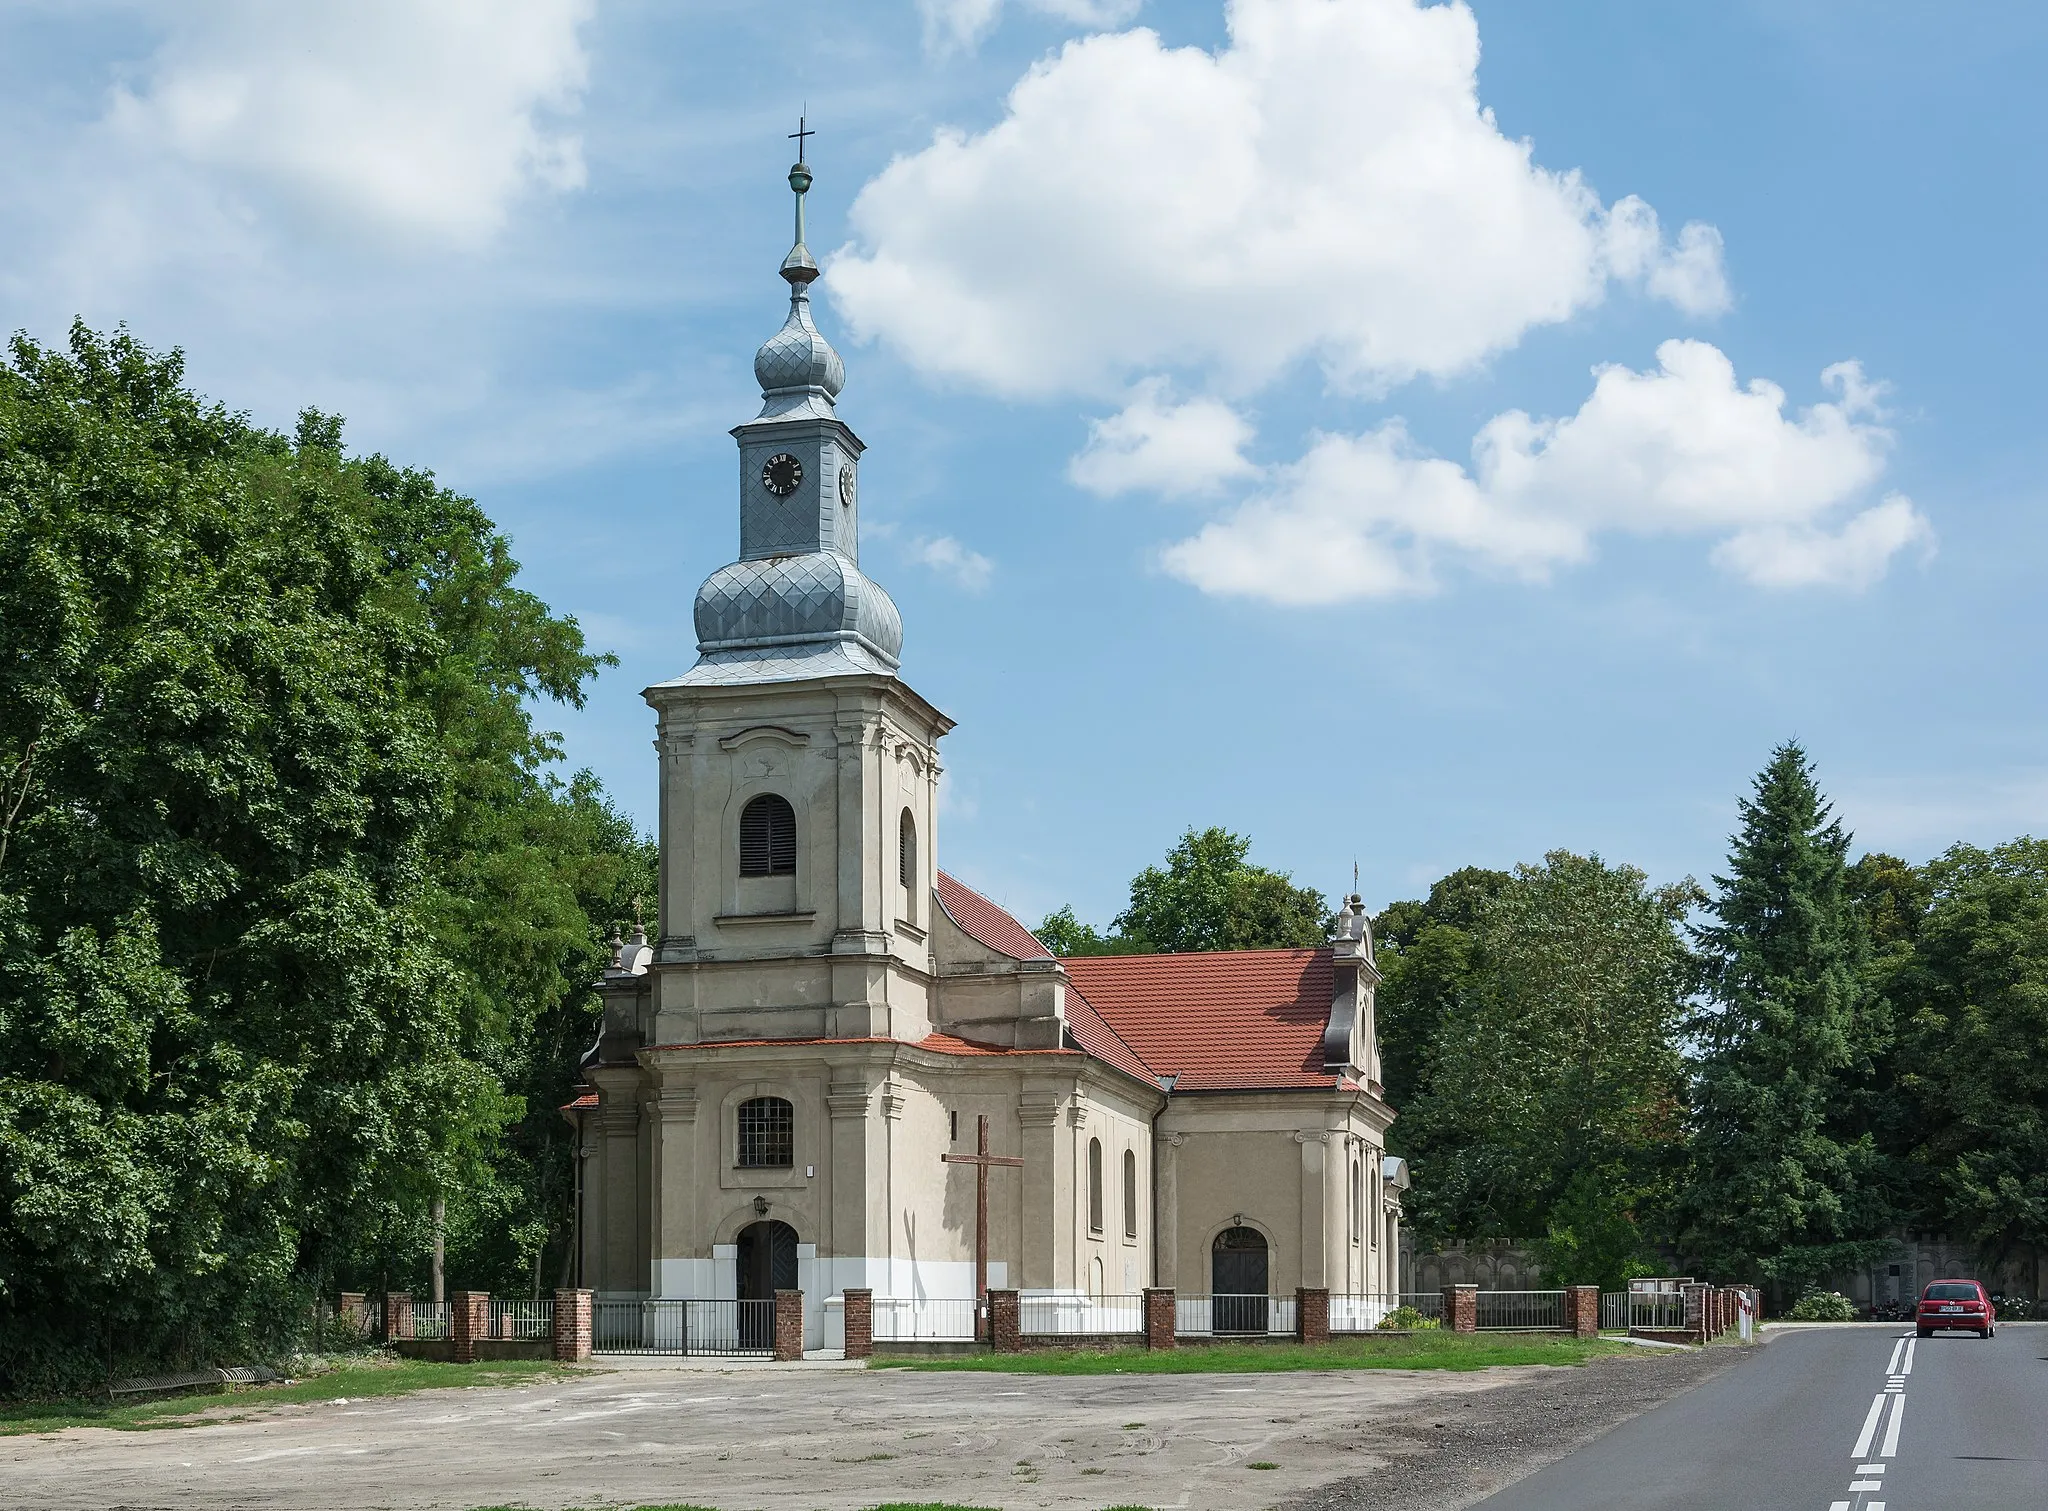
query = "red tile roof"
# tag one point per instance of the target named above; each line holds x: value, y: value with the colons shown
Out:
x: 1232, y: 1020
x: 986, y: 923
x: 1102, y: 1041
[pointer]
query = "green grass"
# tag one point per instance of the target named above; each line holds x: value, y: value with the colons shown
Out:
x: 378, y: 1377
x: 1414, y: 1351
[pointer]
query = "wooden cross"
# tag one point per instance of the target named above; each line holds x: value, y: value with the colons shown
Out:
x: 983, y: 1162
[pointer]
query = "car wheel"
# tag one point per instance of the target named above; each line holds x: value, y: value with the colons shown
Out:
x: 1926, y: 1332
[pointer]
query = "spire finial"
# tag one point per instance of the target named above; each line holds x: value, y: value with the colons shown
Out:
x: 799, y: 267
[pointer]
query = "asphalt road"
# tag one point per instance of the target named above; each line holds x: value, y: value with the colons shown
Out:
x: 1859, y: 1418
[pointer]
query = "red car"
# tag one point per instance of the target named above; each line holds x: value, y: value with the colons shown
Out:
x: 1958, y: 1304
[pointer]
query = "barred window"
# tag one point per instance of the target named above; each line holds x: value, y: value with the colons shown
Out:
x: 768, y: 837
x: 767, y: 1134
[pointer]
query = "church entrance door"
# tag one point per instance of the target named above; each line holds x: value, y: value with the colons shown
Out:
x: 767, y: 1264
x: 1237, y: 1281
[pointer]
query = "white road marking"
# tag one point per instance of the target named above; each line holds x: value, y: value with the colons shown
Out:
x: 1874, y: 1506
x: 1866, y: 1484
x: 1891, y: 1433
x: 1898, y: 1348
x: 1906, y: 1368
x: 1870, y: 1469
x: 1869, y: 1431
x: 1838, y: 1506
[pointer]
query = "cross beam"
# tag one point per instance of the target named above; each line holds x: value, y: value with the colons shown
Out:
x: 983, y: 1162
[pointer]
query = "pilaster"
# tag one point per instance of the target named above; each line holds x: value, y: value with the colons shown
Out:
x: 1038, y: 1113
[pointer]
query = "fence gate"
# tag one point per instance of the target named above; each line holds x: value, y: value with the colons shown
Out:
x: 717, y: 1328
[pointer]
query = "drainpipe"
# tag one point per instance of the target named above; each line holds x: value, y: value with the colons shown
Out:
x: 1166, y: 1085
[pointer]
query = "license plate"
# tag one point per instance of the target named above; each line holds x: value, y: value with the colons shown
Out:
x: 1951, y: 1309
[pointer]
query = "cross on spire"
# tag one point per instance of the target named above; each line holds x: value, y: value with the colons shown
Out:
x: 798, y: 136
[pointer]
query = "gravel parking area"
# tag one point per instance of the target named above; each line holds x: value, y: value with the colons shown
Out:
x: 841, y: 1441
x: 1445, y: 1455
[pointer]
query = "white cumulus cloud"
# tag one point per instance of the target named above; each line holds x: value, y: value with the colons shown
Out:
x: 1682, y: 450
x: 1157, y: 445
x: 953, y: 25
x: 1326, y: 186
x: 425, y: 117
x: 953, y: 561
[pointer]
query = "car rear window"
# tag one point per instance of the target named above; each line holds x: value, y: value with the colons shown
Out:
x: 1951, y: 1293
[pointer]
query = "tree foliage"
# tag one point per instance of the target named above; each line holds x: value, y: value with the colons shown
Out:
x: 278, y: 907
x: 1552, y: 1101
x: 1207, y: 896
x: 1974, y: 1049
x: 1779, y: 1188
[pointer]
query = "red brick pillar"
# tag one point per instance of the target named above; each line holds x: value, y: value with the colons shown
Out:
x: 572, y: 1326
x: 1461, y: 1308
x: 469, y: 1318
x: 397, y: 1314
x: 789, y: 1325
x: 1004, y: 1324
x: 1159, y: 1318
x: 1311, y: 1314
x: 860, y: 1322
x: 1582, y: 1311
x: 1696, y: 1311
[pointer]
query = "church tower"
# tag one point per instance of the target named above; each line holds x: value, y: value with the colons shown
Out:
x: 799, y: 774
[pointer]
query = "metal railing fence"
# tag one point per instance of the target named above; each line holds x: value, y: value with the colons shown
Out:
x: 1080, y: 1316
x: 1368, y: 1311
x: 430, y: 1319
x: 1613, y: 1311
x: 702, y: 1327
x: 1521, y: 1311
x: 1229, y: 1316
x: 926, y: 1319
x: 1662, y: 1310
x: 522, y: 1320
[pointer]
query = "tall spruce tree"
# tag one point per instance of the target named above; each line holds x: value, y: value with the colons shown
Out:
x: 1780, y: 1190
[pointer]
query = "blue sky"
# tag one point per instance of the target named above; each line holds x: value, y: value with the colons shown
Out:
x: 1237, y: 453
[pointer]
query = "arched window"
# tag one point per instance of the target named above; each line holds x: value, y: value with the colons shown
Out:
x: 1095, y: 1185
x: 906, y: 850
x: 768, y: 837
x: 1357, y: 1201
x: 1130, y: 1194
x: 767, y: 1133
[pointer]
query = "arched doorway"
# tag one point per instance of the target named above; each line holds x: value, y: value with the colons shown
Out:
x: 1237, y: 1281
x: 767, y: 1264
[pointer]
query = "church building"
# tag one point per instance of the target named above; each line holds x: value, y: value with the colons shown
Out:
x: 823, y: 1014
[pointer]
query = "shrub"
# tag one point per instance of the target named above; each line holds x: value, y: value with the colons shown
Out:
x: 1403, y: 1319
x: 1822, y: 1306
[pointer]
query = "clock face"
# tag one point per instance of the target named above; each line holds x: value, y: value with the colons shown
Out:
x: 846, y: 484
x: 782, y: 474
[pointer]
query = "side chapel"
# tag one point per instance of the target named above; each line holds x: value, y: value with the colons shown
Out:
x: 823, y: 1013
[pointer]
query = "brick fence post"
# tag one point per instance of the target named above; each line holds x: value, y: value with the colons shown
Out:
x: 469, y: 1318
x: 572, y: 1326
x: 1461, y: 1308
x: 1582, y: 1311
x: 789, y: 1325
x: 1004, y: 1324
x: 859, y: 1302
x: 1696, y: 1311
x: 397, y: 1315
x: 1311, y: 1314
x: 1159, y: 1318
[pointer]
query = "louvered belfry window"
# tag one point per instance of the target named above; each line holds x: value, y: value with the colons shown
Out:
x: 767, y: 1134
x: 768, y: 837
x: 906, y: 850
